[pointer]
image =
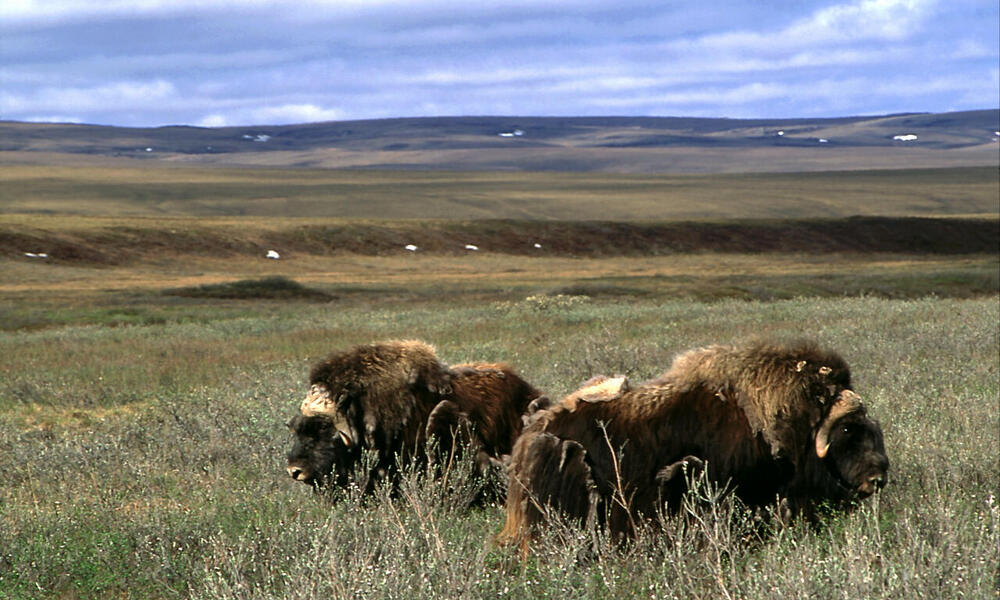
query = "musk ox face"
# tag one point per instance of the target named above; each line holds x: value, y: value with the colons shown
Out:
x: 319, y: 455
x: 320, y: 401
x: 856, y: 454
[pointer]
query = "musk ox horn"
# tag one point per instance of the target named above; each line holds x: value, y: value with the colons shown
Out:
x: 847, y: 402
x: 319, y: 402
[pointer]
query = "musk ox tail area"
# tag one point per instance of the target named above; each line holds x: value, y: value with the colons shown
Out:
x: 482, y: 415
x: 493, y: 398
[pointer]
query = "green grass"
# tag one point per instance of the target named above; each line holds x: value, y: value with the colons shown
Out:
x: 144, y: 458
x: 141, y: 432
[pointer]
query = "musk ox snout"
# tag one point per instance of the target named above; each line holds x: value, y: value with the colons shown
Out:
x: 876, y: 478
x: 299, y: 473
x: 317, y: 452
x: 871, y: 485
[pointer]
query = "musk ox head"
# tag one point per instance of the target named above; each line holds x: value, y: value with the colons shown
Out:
x: 319, y: 455
x: 372, y: 396
x: 851, y: 446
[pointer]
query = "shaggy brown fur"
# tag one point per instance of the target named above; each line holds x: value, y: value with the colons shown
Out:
x: 490, y: 398
x: 749, y: 415
x: 392, y: 397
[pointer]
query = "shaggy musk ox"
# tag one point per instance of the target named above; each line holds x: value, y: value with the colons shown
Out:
x: 393, y: 397
x: 770, y: 421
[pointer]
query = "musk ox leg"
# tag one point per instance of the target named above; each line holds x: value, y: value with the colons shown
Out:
x: 674, y: 478
x: 547, y: 475
x: 451, y: 428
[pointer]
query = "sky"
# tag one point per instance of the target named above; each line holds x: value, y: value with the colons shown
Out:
x: 215, y: 63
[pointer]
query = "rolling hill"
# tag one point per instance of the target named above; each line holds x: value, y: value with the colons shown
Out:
x: 573, y: 144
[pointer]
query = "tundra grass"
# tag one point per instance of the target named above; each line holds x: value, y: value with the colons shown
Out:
x: 158, y: 192
x: 145, y: 459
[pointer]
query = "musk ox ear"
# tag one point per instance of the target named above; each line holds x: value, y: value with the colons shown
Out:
x: 539, y: 403
x: 847, y: 402
x: 535, y: 407
x: 423, y: 367
x: 436, y: 381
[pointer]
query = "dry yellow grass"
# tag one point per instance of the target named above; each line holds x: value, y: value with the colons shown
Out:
x: 162, y: 191
x: 468, y: 273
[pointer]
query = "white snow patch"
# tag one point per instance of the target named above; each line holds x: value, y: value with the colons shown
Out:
x: 537, y: 245
x: 906, y: 137
x: 273, y: 254
x: 472, y: 247
x: 411, y: 247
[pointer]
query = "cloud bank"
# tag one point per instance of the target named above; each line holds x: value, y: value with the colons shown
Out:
x: 237, y: 62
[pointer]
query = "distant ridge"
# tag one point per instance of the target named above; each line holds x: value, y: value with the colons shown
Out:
x: 114, y: 245
x: 611, y: 144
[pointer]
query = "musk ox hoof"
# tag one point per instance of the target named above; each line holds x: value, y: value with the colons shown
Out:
x: 691, y: 465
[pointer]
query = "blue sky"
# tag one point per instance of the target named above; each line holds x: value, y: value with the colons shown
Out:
x: 241, y: 62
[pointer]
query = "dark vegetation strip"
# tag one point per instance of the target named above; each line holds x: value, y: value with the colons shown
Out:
x: 908, y: 235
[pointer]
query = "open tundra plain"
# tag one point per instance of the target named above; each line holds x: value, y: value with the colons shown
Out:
x: 153, y: 353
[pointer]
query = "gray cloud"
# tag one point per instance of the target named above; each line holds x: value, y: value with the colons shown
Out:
x: 146, y: 62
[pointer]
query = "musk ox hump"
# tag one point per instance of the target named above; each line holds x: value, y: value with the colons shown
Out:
x: 782, y: 389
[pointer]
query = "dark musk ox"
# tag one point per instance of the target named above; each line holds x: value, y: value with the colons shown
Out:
x: 774, y: 422
x: 392, y: 398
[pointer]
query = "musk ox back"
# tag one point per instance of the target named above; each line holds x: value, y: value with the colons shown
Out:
x: 391, y: 398
x: 772, y: 421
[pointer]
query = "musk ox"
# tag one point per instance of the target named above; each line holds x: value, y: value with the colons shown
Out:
x: 771, y: 421
x: 393, y: 397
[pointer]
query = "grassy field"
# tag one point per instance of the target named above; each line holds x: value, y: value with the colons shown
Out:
x: 151, y: 361
x: 146, y: 460
x: 160, y: 191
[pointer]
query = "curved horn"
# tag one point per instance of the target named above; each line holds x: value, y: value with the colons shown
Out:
x: 847, y: 402
x: 319, y: 402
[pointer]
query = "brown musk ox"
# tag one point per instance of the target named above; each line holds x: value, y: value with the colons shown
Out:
x: 773, y: 422
x: 391, y: 398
